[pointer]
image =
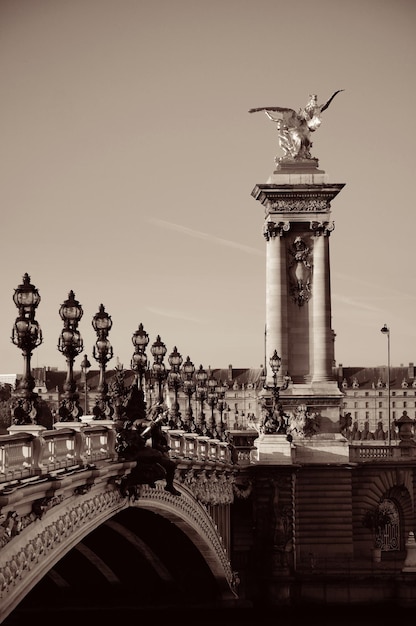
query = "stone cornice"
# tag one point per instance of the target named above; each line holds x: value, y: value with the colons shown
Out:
x: 296, y: 198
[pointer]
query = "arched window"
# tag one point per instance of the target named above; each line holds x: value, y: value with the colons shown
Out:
x: 389, y: 538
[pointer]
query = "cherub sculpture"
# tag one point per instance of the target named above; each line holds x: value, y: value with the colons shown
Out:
x: 295, y: 129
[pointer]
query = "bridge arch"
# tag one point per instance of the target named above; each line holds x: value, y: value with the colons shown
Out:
x: 43, y: 542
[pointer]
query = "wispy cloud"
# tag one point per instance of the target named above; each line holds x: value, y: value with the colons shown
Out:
x: 206, y: 237
x: 179, y: 315
x: 355, y: 304
x: 389, y: 290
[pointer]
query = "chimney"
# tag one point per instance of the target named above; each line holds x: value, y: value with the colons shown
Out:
x: 230, y: 373
x: 411, y: 371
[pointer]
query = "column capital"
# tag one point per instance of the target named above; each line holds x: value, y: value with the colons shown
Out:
x: 273, y: 229
x: 322, y: 228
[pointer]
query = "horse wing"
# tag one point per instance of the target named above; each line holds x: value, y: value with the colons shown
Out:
x: 278, y: 109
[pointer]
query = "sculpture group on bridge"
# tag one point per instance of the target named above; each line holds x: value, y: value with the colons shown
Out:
x: 295, y: 128
x: 139, y: 428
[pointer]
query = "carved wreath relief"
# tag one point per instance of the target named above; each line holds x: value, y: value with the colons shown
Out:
x: 300, y: 270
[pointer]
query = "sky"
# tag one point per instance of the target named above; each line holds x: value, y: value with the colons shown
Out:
x: 128, y: 157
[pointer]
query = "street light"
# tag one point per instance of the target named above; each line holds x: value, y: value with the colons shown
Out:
x: 275, y: 362
x: 102, y: 353
x: 273, y: 422
x: 26, y: 335
x: 85, y: 366
x: 201, y: 379
x: 70, y: 345
x: 221, y: 391
x: 140, y: 339
x: 386, y: 331
x: 212, y: 400
x: 158, y: 351
x: 174, y: 377
x: 188, y: 371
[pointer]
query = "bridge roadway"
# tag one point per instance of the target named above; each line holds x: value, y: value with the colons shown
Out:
x: 57, y: 487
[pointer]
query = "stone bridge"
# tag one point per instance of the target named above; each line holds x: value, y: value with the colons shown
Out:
x: 58, y: 487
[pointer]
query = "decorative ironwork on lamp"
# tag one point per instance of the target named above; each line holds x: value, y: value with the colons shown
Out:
x: 188, y: 371
x: 140, y: 340
x: 70, y: 345
x: 175, y: 380
x: 158, y: 351
x: 275, y: 420
x: 221, y: 390
x: 85, y: 366
x: 26, y: 335
x: 201, y: 377
x: 212, y: 400
x: 102, y: 353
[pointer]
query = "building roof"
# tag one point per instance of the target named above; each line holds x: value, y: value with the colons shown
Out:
x: 373, y: 377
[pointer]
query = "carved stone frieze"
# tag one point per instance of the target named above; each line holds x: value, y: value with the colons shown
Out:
x: 209, y: 487
x: 298, y: 205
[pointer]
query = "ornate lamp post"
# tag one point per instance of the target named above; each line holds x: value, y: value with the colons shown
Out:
x: 140, y: 341
x: 188, y: 371
x: 201, y: 394
x: 26, y: 335
x: 70, y: 345
x: 221, y: 391
x: 175, y: 379
x: 212, y: 400
x: 158, y: 351
x: 102, y: 353
x: 275, y: 362
x: 386, y: 331
x: 85, y: 366
x: 274, y: 421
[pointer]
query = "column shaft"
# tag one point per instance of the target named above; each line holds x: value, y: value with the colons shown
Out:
x: 276, y: 304
x: 321, y: 307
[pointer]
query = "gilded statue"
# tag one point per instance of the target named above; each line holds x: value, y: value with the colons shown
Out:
x: 295, y: 128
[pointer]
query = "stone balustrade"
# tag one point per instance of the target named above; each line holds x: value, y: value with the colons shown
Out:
x: 362, y: 452
x: 25, y: 454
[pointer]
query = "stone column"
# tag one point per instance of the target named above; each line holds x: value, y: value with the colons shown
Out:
x: 322, y: 357
x: 276, y: 296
